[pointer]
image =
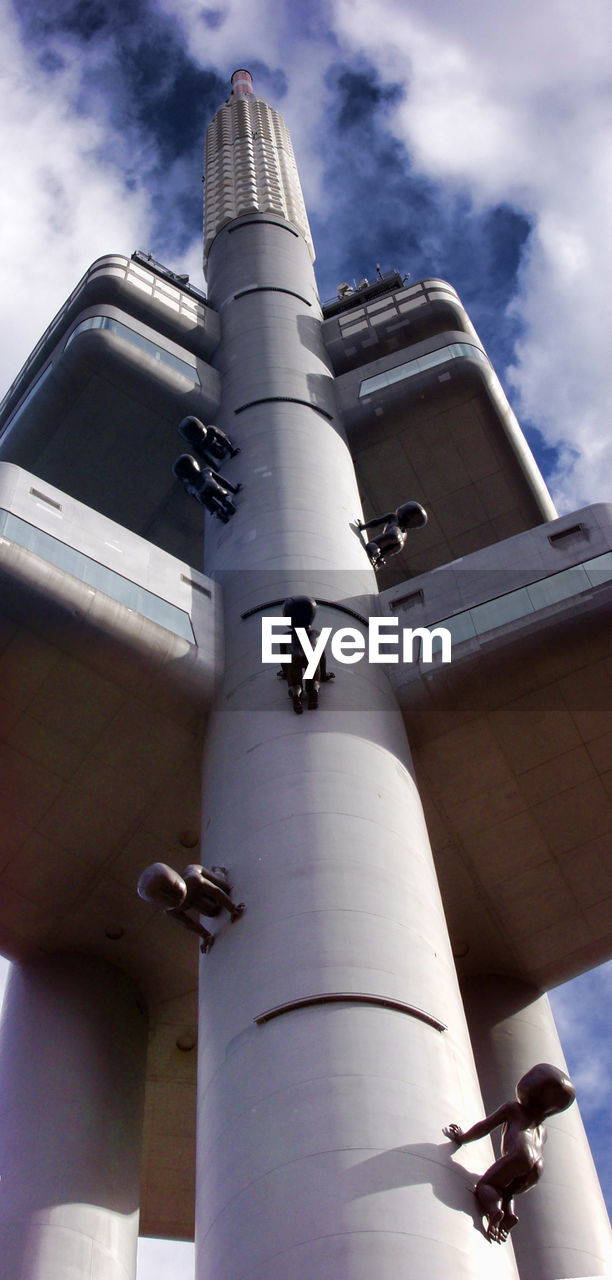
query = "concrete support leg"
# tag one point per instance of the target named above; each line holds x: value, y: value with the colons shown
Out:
x: 563, y: 1230
x: 73, y: 1046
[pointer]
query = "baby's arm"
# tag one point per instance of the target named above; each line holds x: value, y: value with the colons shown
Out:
x: 376, y: 521
x: 481, y: 1128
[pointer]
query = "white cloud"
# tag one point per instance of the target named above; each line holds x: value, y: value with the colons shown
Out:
x: 61, y: 206
x: 242, y: 33
x: 513, y: 103
x: 265, y: 31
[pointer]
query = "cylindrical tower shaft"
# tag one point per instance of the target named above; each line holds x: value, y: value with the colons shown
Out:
x: 320, y: 1149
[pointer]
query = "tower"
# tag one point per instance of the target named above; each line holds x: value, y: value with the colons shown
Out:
x: 332, y: 1036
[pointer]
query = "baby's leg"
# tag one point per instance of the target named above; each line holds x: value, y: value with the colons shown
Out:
x: 493, y: 1189
x: 311, y: 689
x: 294, y: 681
x: 509, y: 1219
x: 219, y: 897
x: 490, y: 1202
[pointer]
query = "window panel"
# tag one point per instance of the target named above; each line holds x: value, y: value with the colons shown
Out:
x: 96, y: 575
x: 599, y: 569
x: 411, y: 367
x: 136, y: 340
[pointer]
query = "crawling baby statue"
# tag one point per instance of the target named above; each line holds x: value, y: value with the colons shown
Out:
x: 542, y: 1091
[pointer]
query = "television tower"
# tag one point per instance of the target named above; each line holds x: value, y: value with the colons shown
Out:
x: 333, y: 1042
x: 301, y: 1163
x: 344, y: 937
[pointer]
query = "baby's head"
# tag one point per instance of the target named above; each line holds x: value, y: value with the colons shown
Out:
x: 301, y: 610
x: 411, y: 515
x: 545, y: 1089
x: 162, y: 886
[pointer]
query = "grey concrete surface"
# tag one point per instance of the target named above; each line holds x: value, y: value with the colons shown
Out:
x: 73, y: 1043
x: 320, y: 1145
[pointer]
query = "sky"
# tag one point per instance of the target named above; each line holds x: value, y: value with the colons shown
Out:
x: 484, y: 130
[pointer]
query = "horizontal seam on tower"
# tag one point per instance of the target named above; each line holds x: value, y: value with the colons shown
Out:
x: 271, y: 288
x: 323, y: 604
x: 268, y: 222
x: 285, y: 400
x: 372, y: 746
x: 300, y: 1160
x: 340, y: 1235
x: 299, y: 1084
x: 379, y: 821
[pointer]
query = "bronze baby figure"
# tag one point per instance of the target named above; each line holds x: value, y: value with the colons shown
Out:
x: 542, y: 1091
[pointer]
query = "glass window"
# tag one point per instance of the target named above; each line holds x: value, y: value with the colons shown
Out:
x: 412, y: 304
x: 345, y: 322
x: 137, y: 340
x: 134, y: 270
x: 538, y: 595
x: 385, y: 304
x: 383, y: 317
x: 167, y: 302
x: 461, y: 628
x: 560, y: 586
x: 599, y: 569
x: 96, y: 575
x: 162, y: 287
x: 411, y: 367
x: 436, y: 357
x: 141, y: 284
x: 409, y: 293
x: 495, y: 613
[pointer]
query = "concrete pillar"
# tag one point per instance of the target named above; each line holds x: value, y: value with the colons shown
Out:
x: 320, y: 1145
x: 563, y: 1229
x: 73, y: 1047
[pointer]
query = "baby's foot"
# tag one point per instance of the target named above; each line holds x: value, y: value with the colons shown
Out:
x: 509, y: 1221
x: 494, y: 1229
